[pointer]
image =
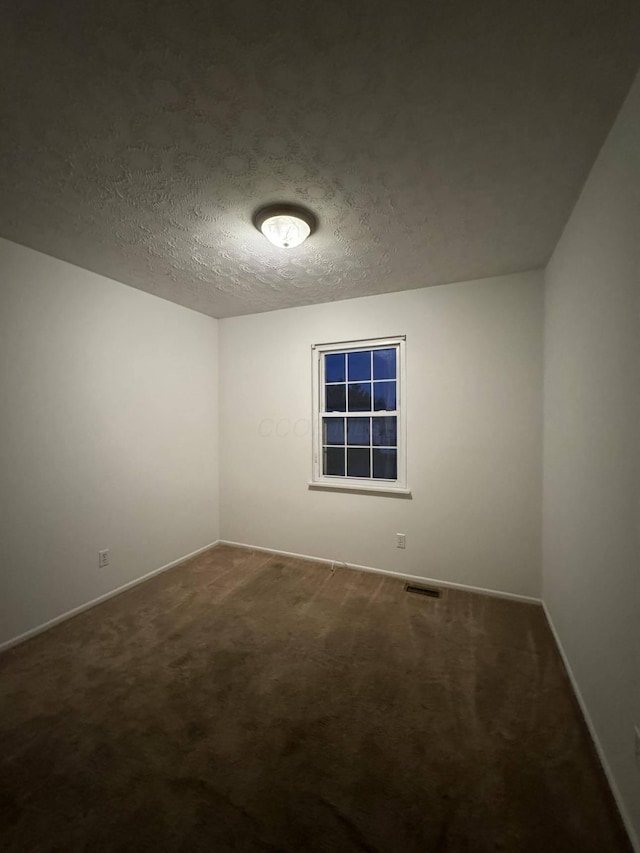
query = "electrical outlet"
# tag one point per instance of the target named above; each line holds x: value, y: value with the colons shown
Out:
x: 636, y: 741
x: 401, y: 540
x: 103, y: 559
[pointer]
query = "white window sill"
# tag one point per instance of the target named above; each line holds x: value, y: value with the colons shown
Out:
x: 356, y: 487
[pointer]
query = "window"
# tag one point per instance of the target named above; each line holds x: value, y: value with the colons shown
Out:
x: 358, y: 416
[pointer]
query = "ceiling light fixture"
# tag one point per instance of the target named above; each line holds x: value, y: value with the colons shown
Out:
x: 285, y: 225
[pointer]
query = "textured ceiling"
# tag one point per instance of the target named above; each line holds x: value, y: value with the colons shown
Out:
x: 435, y: 141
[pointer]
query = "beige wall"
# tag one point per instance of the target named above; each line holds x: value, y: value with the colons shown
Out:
x: 108, y: 435
x: 474, y: 373
x: 591, y: 550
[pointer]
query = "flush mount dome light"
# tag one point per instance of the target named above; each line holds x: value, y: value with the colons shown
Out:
x: 285, y: 225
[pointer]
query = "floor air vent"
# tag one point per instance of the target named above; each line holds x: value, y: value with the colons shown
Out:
x: 429, y: 591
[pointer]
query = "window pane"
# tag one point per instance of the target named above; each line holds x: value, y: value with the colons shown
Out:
x: 333, y: 430
x: 358, y: 462
x: 359, y: 365
x: 384, y: 396
x: 385, y: 431
x: 358, y: 430
x: 359, y: 397
x: 385, y: 464
x: 384, y: 364
x: 334, y: 461
x: 336, y: 398
x: 334, y: 367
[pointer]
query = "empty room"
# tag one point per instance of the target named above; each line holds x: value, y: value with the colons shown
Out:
x: 319, y: 439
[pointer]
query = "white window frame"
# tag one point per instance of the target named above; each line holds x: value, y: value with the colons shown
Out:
x: 360, y: 484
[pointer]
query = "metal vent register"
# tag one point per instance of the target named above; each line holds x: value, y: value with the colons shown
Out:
x: 429, y: 591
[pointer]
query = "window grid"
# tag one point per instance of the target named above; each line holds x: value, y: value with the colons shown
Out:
x: 377, y: 392
x: 344, y: 449
x: 342, y: 410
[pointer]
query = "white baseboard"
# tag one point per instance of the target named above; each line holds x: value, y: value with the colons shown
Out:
x: 64, y: 616
x: 449, y: 584
x: 628, y: 825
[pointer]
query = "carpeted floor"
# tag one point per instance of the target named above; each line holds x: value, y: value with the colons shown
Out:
x: 246, y: 702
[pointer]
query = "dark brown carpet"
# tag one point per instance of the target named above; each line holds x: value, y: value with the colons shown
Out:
x: 253, y: 703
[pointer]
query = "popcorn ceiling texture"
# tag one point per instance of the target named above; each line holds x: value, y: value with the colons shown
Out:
x: 435, y: 141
